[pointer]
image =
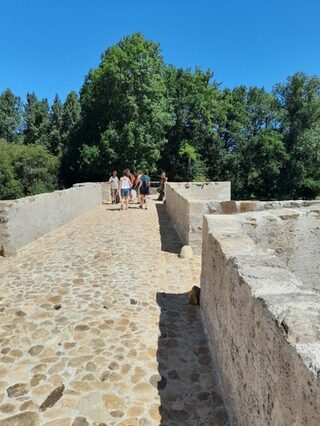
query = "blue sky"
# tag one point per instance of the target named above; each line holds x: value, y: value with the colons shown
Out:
x: 49, y: 46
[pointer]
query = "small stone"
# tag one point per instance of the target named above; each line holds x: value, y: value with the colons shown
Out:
x: 36, y: 379
x: 115, y: 377
x: 80, y: 421
x: 129, y: 422
x: 54, y: 299
x: 5, y: 351
x: 194, y: 296
x: 59, y: 422
x: 113, y: 366
x: 88, y: 377
x: 91, y: 366
x: 154, y: 380
x: 186, y: 252
x: 7, y: 408
x: 81, y: 327
x: 112, y: 402
x: 155, y: 413
x: 28, y: 418
x: 117, y: 413
x: 57, y: 307
x: 136, y: 411
x: 133, y: 302
x: 16, y: 390
x: 105, y: 376
x: 16, y: 353
x: 52, y: 398
x: 28, y: 405
x: 20, y: 314
x: 35, y: 350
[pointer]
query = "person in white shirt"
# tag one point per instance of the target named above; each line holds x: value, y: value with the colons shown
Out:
x: 125, y: 187
x: 114, y: 186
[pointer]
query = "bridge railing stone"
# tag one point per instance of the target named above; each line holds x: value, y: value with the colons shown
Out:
x: 260, y: 304
x: 187, y: 203
x: 26, y: 219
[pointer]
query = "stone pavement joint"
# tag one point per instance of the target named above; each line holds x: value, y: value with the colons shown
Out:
x: 95, y: 327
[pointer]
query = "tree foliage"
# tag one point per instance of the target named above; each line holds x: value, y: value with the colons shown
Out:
x: 134, y: 111
x: 26, y: 170
x: 10, y: 115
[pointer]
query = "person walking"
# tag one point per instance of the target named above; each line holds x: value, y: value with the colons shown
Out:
x: 125, y: 188
x: 132, y: 180
x: 144, y: 189
x: 162, y: 187
x: 114, y: 186
x: 137, y: 184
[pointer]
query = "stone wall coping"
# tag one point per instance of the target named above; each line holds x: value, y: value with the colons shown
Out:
x: 295, y: 309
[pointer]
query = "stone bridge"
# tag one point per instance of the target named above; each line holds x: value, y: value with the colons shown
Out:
x: 95, y: 325
x: 95, y: 328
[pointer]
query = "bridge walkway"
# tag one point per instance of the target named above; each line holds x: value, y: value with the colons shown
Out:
x: 95, y: 328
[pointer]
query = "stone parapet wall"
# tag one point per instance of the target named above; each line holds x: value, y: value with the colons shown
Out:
x: 188, y: 202
x: 262, y: 321
x: 26, y: 219
x: 233, y: 207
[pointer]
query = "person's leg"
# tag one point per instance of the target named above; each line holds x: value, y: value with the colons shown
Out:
x: 145, y: 202
x: 123, y: 198
x: 141, y: 201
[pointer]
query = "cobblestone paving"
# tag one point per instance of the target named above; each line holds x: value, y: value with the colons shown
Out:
x: 95, y: 328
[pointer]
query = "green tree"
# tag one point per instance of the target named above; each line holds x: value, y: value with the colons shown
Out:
x: 10, y: 115
x: 26, y: 170
x: 71, y: 115
x: 299, y: 102
x: 125, y: 112
x: 191, y: 145
x: 56, y: 122
x: 36, y: 121
x: 262, y: 158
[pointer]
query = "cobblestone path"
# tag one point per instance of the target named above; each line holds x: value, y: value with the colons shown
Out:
x: 95, y: 328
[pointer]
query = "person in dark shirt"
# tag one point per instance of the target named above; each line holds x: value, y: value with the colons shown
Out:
x: 144, y: 189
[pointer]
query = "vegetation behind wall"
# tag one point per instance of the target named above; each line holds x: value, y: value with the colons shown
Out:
x: 135, y: 111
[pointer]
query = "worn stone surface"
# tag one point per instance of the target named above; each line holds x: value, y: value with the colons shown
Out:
x: 125, y: 343
x: 262, y: 321
x: 28, y: 418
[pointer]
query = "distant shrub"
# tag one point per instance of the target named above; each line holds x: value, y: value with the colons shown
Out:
x: 26, y: 170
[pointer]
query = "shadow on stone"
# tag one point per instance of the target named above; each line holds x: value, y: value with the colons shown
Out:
x: 170, y: 240
x: 186, y: 382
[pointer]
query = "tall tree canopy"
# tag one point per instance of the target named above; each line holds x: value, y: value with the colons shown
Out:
x: 135, y: 111
x: 125, y: 111
x: 10, y: 115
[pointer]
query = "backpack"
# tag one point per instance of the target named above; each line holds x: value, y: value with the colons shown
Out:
x: 145, y: 182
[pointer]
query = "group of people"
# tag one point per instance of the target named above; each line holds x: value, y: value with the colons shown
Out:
x: 122, y: 189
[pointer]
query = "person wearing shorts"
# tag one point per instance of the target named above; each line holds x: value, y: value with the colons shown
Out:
x: 125, y: 188
x: 114, y: 186
x: 144, y: 189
